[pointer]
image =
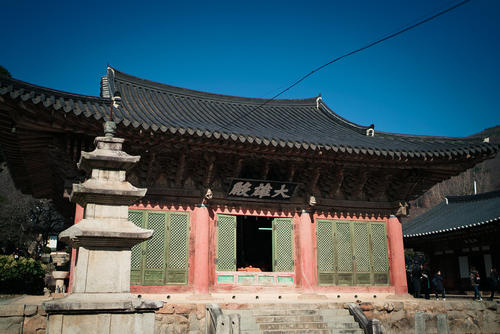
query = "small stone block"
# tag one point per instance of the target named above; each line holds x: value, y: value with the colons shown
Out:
x: 85, y: 323
x: 30, y: 310
x: 55, y: 324
x: 11, y: 310
x: 442, y: 324
x: 419, y: 323
x: 11, y: 325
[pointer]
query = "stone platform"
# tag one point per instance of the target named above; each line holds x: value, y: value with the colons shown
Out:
x: 185, y: 313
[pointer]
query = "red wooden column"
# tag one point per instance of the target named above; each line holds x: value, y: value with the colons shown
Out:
x: 201, y: 221
x: 78, y: 217
x: 396, y: 247
x: 306, y: 249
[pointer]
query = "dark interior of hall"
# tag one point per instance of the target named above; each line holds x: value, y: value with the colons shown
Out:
x: 254, y: 243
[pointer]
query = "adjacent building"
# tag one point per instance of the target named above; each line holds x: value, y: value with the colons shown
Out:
x: 460, y: 233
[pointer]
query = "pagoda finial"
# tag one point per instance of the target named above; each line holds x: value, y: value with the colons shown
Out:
x: 109, y: 129
x: 110, y: 126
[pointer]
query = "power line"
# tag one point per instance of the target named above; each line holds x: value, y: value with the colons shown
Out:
x: 369, y: 45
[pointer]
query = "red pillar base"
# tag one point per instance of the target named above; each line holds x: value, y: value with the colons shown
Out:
x: 396, y: 248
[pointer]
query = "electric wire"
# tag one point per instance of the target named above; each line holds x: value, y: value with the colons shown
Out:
x: 369, y: 45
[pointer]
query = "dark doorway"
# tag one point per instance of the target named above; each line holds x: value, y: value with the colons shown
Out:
x: 254, y: 242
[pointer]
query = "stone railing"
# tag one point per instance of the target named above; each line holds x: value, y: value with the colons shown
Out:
x: 220, y: 323
x: 369, y: 326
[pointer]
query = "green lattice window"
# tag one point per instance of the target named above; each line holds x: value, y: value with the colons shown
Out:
x: 352, y: 253
x: 163, y: 259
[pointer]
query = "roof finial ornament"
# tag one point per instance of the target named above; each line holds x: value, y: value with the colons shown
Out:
x: 318, y: 100
x: 117, y: 100
x: 370, y: 132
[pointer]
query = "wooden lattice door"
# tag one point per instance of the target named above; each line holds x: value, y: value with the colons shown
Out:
x: 163, y: 259
x: 379, y: 253
x: 352, y: 253
x: 226, y: 243
x: 283, y: 245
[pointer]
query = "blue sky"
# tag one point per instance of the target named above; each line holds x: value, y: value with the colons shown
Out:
x: 441, y: 78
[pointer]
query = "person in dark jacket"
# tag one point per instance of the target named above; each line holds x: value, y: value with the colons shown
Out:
x: 494, y: 281
x: 437, y: 282
x: 416, y: 273
x: 425, y: 282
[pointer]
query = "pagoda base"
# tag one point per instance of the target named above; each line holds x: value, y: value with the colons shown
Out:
x: 105, y: 313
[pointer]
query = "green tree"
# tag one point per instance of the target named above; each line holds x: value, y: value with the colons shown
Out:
x: 25, y: 222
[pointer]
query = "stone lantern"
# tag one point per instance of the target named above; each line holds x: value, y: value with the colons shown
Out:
x: 104, y: 238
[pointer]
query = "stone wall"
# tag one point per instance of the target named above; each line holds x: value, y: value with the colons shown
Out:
x: 463, y: 316
x: 22, y: 318
x: 180, y: 318
x: 395, y: 316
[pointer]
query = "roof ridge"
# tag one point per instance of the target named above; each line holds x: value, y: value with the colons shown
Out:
x: 119, y: 75
x: 428, y: 137
x: 470, y: 198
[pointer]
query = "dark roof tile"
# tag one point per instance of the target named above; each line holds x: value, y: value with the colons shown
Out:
x: 301, y: 123
x: 456, y: 213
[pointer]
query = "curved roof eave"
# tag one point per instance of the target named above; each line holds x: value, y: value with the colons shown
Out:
x: 306, y: 124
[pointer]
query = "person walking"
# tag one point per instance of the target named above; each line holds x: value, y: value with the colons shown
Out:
x: 494, y: 281
x: 437, y: 281
x: 475, y: 279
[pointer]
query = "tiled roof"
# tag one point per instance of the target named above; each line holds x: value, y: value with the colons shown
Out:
x: 88, y: 106
x: 456, y: 213
x: 295, y: 123
x: 305, y: 123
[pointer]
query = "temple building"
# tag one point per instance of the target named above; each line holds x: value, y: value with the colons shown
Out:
x: 244, y: 194
x: 459, y: 234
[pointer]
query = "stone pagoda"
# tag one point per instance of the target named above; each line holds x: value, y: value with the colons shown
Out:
x: 101, y: 300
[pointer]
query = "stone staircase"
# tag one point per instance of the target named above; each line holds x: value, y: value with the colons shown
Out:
x: 295, y: 319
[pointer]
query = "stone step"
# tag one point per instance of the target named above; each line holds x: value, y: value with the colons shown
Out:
x: 288, y: 318
x: 333, y: 312
x: 298, y: 331
x: 296, y: 319
x: 284, y: 311
x: 342, y: 325
x: 293, y: 325
x: 347, y: 331
x: 340, y: 318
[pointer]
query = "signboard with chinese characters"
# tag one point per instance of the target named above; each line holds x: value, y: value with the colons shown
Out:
x: 261, y: 190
